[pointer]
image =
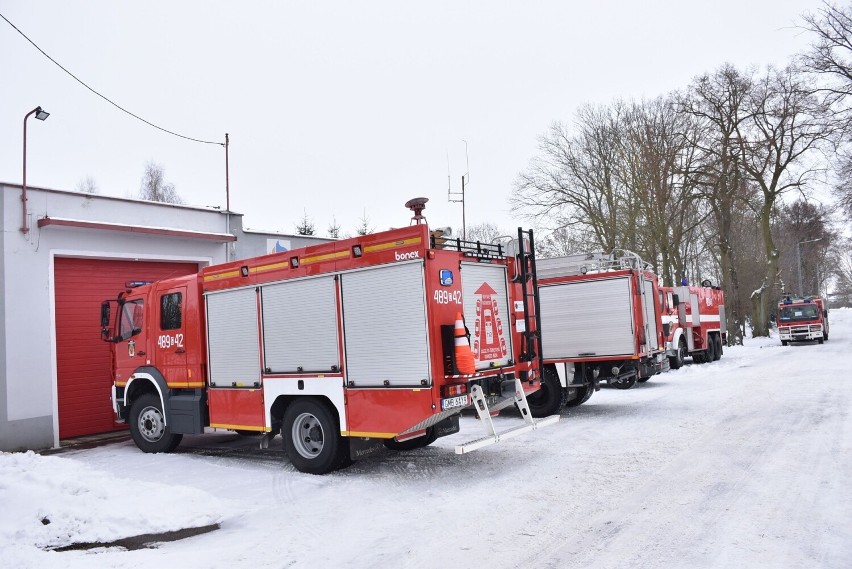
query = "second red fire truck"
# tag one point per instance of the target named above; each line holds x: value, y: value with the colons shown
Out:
x: 600, y: 321
x: 338, y: 347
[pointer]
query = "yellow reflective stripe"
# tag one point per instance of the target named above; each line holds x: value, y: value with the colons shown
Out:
x: 238, y: 427
x: 326, y: 257
x: 271, y: 267
x: 367, y: 434
x: 391, y: 244
x: 222, y: 275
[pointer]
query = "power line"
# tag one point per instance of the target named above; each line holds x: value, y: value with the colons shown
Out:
x: 114, y: 104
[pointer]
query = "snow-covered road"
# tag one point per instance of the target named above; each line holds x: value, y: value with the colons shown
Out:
x: 737, y: 463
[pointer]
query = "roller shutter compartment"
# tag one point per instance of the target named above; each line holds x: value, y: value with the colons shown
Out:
x: 384, y: 323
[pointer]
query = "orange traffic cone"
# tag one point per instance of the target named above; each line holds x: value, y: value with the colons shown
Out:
x: 464, y: 357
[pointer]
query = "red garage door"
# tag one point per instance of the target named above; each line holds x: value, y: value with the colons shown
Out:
x: 82, y: 358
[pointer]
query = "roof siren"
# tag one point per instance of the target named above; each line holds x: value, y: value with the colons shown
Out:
x: 417, y: 205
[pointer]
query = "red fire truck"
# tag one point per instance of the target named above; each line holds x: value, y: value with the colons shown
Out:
x: 802, y: 320
x: 600, y: 321
x: 694, y: 323
x: 340, y: 347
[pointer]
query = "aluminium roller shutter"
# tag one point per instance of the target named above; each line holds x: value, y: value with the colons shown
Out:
x: 83, y: 361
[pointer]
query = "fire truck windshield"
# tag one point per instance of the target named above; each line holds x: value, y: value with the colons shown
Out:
x: 800, y: 312
x: 130, y: 320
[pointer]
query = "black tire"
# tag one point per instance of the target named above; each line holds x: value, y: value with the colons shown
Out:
x: 676, y: 361
x: 148, y: 426
x: 720, y: 346
x: 584, y: 392
x: 411, y: 444
x: 820, y: 340
x: 312, y: 438
x: 643, y: 379
x: 784, y: 342
x: 717, y: 347
x: 549, y: 398
x: 699, y: 357
x: 711, y: 349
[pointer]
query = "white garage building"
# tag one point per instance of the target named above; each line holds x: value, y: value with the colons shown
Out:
x: 78, y: 250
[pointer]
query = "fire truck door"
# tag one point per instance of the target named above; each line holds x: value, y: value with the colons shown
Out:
x: 649, y: 311
x: 170, y: 344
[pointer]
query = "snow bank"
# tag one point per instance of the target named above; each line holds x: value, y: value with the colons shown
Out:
x: 53, y: 501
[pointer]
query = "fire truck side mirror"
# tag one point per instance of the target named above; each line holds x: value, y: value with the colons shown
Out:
x: 105, y: 322
x: 825, y: 312
x: 105, y: 314
x: 675, y: 300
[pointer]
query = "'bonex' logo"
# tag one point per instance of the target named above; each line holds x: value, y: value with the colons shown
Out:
x: 407, y: 256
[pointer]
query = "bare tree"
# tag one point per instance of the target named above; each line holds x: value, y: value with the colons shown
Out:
x: 804, y: 240
x: 573, y: 178
x: 829, y: 60
x: 777, y: 147
x: 87, y: 185
x: 718, y: 101
x: 486, y: 232
x: 655, y: 168
x: 154, y: 186
x: 306, y: 225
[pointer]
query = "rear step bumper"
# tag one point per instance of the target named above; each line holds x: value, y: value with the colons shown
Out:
x: 484, y: 413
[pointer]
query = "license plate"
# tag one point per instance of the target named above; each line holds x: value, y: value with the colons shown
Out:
x: 449, y: 403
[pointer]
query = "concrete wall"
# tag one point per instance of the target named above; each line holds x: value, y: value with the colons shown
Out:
x: 28, y: 392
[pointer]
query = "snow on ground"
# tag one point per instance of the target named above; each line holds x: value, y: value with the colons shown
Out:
x: 738, y: 463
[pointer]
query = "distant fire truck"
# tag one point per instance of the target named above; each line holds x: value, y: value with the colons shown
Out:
x: 340, y: 347
x: 694, y: 323
x: 600, y: 321
x: 802, y: 320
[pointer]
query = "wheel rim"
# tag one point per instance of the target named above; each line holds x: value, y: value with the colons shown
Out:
x: 151, y: 424
x: 307, y: 435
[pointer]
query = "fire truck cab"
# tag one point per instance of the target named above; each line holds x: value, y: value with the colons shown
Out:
x: 339, y: 347
x: 802, y: 320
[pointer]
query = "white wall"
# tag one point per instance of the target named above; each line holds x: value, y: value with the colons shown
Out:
x: 30, y: 343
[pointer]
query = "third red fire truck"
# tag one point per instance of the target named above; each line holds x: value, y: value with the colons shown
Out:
x: 337, y: 346
x: 600, y: 321
x: 694, y: 323
x: 802, y: 319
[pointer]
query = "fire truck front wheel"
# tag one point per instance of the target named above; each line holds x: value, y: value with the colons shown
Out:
x: 148, y: 426
x: 312, y: 438
x: 676, y: 361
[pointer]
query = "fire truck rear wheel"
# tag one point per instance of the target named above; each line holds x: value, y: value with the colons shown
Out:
x: 583, y: 395
x: 311, y: 437
x: 550, y: 396
x: 148, y: 426
x: 676, y: 361
x: 717, y: 346
x: 784, y: 342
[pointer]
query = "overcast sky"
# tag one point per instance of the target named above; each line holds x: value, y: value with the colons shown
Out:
x: 341, y: 108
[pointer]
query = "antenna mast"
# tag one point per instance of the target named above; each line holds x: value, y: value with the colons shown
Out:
x: 458, y: 196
